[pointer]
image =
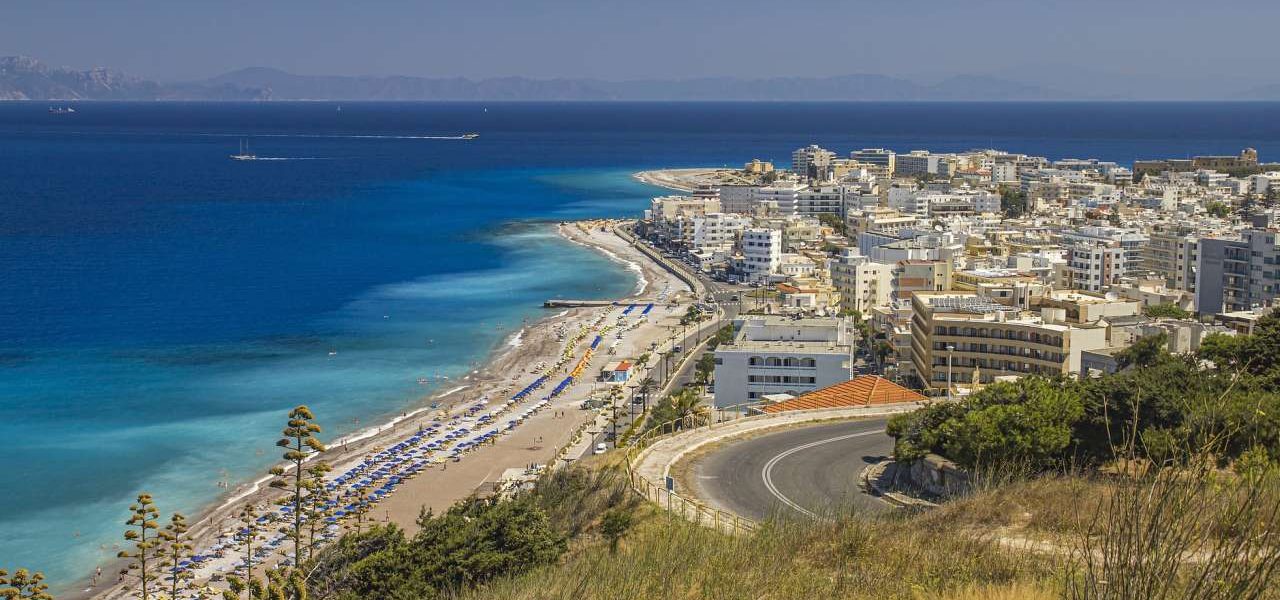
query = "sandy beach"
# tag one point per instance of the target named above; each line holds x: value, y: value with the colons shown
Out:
x: 688, y: 180
x: 551, y: 431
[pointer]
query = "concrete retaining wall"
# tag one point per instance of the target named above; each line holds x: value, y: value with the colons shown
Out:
x: 935, y: 476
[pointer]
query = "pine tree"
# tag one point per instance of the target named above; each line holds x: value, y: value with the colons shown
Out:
x: 300, y: 443
x: 23, y: 585
x: 177, y: 547
x: 143, y: 532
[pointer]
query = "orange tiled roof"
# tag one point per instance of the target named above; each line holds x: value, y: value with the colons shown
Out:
x: 863, y: 391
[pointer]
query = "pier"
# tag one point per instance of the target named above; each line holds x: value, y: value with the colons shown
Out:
x: 587, y: 303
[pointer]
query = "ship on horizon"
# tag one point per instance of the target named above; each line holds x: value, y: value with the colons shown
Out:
x: 61, y: 110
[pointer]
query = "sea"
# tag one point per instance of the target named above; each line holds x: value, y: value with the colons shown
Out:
x: 163, y: 306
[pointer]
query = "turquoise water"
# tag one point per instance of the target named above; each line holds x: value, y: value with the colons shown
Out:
x: 162, y: 307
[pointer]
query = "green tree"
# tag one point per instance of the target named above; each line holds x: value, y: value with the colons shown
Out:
x: 177, y: 548
x: 300, y: 443
x: 23, y: 585
x: 1225, y: 351
x: 1027, y: 422
x: 1218, y: 209
x: 680, y: 409
x: 1248, y: 206
x: 703, y: 369
x: 1257, y: 355
x: 883, y: 350
x: 142, y: 532
x: 614, y: 525
x: 1145, y: 352
x: 646, y: 387
x: 1170, y: 311
x: 724, y: 335
x: 1013, y: 201
x: 473, y: 542
x: 833, y: 221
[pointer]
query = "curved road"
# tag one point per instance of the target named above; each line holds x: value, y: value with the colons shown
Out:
x: 810, y: 471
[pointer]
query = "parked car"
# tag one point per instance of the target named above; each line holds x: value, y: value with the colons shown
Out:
x: 601, y: 448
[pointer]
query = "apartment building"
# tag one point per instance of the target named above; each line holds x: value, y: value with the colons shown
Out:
x: 1172, y: 253
x: 673, y: 217
x: 862, y: 284
x: 914, y: 276
x: 876, y: 156
x: 812, y: 162
x: 782, y: 355
x: 717, y: 231
x: 761, y: 253
x: 823, y: 199
x: 1238, y: 274
x: 779, y: 198
x: 955, y: 334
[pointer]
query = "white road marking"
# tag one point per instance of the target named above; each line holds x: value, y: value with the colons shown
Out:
x: 767, y: 472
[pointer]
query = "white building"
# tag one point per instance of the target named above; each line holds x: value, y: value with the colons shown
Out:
x: 717, y: 231
x: 862, y: 284
x: 761, y: 253
x: 824, y: 199
x: 780, y: 196
x: 782, y: 355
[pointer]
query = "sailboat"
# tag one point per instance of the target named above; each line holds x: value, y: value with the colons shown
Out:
x: 245, y: 153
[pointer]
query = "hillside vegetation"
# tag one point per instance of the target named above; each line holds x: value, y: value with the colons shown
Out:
x: 1223, y: 401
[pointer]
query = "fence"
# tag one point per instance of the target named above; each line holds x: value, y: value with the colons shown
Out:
x: 673, y: 502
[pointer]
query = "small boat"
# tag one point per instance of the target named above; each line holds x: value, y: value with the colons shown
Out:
x: 470, y: 136
x: 61, y: 110
x: 245, y: 153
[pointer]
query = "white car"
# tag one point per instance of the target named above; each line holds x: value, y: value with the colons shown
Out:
x: 601, y: 448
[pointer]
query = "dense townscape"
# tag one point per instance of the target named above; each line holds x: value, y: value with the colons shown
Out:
x: 966, y: 268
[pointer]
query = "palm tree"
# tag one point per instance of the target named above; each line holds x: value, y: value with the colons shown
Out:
x: 646, y: 386
x: 681, y: 409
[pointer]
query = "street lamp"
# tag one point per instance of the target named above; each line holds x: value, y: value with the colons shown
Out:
x: 951, y: 348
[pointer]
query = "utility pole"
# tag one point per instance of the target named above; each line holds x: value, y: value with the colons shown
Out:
x: 951, y: 349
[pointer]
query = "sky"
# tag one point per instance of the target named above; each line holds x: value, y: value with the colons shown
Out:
x: 1073, y: 42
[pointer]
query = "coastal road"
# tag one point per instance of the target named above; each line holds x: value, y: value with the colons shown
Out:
x: 803, y: 472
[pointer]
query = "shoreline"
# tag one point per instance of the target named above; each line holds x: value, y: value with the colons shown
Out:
x: 533, y: 341
x: 686, y: 180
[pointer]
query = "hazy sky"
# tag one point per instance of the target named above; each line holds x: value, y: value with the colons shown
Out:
x: 1231, y: 40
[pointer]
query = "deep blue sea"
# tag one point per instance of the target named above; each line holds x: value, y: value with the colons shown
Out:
x: 161, y: 306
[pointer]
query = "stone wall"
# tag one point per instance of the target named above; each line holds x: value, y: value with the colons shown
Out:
x: 936, y: 476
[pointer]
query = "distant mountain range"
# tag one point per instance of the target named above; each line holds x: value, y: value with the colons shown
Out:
x: 24, y: 78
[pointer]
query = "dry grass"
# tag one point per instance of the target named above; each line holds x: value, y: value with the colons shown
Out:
x: 1051, y: 505
x: 665, y: 557
x: 1175, y: 536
